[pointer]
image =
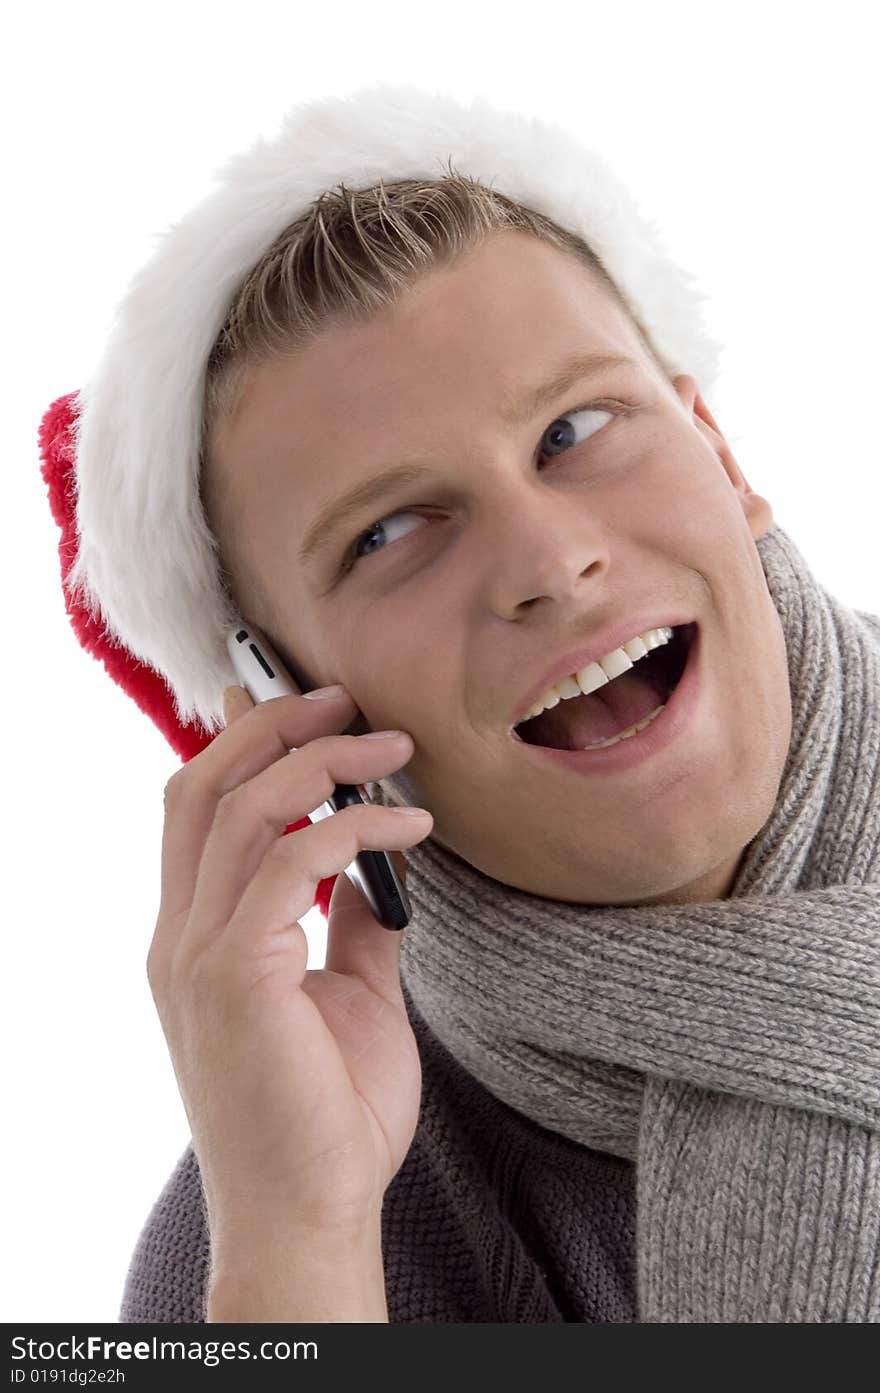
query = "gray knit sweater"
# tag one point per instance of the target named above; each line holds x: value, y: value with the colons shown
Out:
x: 490, y: 1218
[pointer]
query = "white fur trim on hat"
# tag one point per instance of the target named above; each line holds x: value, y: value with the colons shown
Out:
x: 147, y: 562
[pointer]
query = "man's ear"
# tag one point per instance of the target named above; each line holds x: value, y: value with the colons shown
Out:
x: 757, y: 509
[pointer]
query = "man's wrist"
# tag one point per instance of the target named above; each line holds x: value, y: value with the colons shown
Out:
x: 298, y: 1276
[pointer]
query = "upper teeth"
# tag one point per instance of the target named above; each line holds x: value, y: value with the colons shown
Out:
x: 597, y: 674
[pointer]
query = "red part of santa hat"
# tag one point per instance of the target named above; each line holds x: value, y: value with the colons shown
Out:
x: 57, y: 441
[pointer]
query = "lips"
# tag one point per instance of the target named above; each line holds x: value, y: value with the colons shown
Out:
x: 577, y: 722
x: 601, y: 643
x: 654, y: 743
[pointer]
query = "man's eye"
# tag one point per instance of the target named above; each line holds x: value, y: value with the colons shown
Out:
x: 352, y: 556
x: 560, y: 437
x: 564, y: 437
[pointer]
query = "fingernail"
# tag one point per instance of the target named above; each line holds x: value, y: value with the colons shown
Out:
x: 413, y: 812
x: 321, y: 692
x: 381, y: 734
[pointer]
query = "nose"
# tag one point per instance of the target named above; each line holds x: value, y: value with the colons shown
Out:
x: 547, y: 547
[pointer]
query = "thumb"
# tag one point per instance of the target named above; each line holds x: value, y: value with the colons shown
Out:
x: 358, y: 945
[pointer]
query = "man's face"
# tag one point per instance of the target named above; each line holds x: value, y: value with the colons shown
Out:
x: 515, y: 547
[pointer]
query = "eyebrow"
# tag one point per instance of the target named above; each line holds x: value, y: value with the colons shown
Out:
x: 515, y: 411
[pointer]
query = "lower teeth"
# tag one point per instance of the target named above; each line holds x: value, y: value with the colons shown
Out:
x: 629, y: 732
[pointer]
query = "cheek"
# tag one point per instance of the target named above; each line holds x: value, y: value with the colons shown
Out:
x: 772, y: 660
x: 391, y: 683
x: 696, y: 508
x: 670, y: 487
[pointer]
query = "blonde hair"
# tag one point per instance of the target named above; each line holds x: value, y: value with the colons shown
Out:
x: 352, y: 253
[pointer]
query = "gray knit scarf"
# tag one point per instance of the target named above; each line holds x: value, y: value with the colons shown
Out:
x: 731, y: 1048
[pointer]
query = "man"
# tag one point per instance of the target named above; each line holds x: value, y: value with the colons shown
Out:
x: 642, y: 967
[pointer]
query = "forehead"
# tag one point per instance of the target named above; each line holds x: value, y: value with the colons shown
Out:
x: 466, y: 337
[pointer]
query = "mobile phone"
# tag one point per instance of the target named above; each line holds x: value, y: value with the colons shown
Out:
x: 263, y: 674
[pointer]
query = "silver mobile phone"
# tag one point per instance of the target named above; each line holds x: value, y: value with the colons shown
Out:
x: 263, y: 674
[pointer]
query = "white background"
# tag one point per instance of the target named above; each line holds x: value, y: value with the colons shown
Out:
x: 747, y: 131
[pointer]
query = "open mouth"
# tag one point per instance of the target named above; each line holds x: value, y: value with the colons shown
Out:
x: 632, y: 699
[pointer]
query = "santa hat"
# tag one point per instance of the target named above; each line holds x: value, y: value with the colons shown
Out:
x: 121, y: 456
